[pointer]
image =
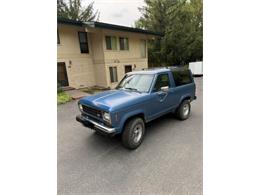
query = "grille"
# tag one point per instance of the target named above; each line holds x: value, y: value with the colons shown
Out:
x: 92, y: 111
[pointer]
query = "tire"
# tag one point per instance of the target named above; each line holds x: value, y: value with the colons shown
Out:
x: 133, y: 133
x: 183, y: 111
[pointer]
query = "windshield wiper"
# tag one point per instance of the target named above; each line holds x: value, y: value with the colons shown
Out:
x: 132, y: 89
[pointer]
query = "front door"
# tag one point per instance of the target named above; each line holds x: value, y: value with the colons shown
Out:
x: 62, y: 74
x: 161, y: 101
x: 128, y: 68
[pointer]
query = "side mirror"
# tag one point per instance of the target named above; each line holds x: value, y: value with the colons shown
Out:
x: 165, y: 89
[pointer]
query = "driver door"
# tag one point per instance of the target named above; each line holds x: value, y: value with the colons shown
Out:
x: 161, y: 101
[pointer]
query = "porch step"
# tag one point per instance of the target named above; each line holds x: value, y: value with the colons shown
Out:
x: 76, y: 94
x: 68, y: 88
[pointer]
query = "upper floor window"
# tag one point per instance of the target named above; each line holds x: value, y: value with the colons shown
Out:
x: 58, y: 37
x: 111, y: 43
x: 124, y: 45
x: 83, y: 42
x: 143, y: 48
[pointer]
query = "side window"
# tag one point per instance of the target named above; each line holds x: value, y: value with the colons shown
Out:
x: 161, y: 81
x: 113, y: 74
x: 181, y: 77
x: 143, y: 48
x: 83, y: 42
x: 111, y: 43
x: 124, y: 44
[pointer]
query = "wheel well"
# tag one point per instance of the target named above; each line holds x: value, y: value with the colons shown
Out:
x: 140, y: 115
x: 186, y: 98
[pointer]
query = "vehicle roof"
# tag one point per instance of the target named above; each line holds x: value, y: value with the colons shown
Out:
x: 156, y: 70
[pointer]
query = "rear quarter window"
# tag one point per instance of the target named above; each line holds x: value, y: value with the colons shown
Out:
x: 181, y: 77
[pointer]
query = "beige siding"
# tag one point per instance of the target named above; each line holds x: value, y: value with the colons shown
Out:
x: 93, y: 68
x: 79, y: 66
x: 134, y: 51
x: 120, y: 58
x: 121, y: 69
x: 96, y: 39
x: 100, y: 74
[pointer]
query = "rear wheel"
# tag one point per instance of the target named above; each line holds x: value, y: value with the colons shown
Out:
x: 133, y: 133
x: 183, y: 111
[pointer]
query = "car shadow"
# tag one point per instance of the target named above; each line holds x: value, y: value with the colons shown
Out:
x: 98, y: 141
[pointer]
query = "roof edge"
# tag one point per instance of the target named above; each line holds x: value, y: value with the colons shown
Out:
x: 95, y: 24
x: 69, y: 22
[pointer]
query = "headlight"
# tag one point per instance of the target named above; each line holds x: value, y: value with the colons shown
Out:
x: 80, y: 107
x: 106, y: 116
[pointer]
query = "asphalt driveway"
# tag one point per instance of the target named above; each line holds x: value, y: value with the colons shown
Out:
x: 169, y: 161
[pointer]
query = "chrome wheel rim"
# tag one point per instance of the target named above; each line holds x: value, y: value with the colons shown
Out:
x: 137, y: 133
x: 185, y: 109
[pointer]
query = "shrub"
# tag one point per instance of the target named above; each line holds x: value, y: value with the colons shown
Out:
x: 63, y: 97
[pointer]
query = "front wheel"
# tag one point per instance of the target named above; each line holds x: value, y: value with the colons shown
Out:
x: 183, y: 111
x: 133, y: 133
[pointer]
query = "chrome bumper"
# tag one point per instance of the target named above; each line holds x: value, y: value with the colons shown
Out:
x: 96, y: 125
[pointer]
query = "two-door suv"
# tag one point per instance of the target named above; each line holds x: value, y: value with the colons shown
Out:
x: 140, y: 97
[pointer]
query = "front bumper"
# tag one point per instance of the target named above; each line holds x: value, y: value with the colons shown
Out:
x: 94, y: 125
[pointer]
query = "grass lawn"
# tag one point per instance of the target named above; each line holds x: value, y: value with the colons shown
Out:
x: 63, y: 97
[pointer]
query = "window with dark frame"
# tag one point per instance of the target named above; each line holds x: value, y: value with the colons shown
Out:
x: 161, y: 81
x: 181, y: 77
x: 113, y: 74
x: 58, y: 37
x: 83, y: 42
x: 111, y: 43
x: 124, y: 43
x: 143, y: 48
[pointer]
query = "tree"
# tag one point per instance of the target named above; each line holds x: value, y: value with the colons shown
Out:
x: 74, y: 10
x: 181, y: 23
x: 154, y: 17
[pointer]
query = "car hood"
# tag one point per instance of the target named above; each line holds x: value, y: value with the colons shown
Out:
x: 112, y: 100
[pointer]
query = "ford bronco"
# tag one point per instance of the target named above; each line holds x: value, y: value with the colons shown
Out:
x: 140, y: 97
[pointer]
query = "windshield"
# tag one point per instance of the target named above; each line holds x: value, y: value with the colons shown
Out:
x: 136, y: 82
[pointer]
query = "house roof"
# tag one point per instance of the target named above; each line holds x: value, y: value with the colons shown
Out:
x: 94, y: 24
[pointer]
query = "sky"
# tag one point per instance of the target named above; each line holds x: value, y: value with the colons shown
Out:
x: 121, y: 12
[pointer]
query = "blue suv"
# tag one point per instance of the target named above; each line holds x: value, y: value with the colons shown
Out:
x: 140, y: 97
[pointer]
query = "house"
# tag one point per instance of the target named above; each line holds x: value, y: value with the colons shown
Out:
x: 99, y: 54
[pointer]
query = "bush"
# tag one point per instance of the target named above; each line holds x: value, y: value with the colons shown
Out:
x: 63, y: 97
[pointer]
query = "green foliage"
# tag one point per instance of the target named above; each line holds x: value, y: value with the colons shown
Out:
x: 63, y: 97
x: 181, y: 23
x: 73, y: 9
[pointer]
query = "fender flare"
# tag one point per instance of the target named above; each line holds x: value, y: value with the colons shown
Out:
x: 130, y: 115
x: 184, y: 97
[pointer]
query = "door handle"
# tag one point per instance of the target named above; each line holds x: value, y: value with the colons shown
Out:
x: 162, y: 95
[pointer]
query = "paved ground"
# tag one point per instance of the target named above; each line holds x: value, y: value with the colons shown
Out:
x: 169, y: 161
